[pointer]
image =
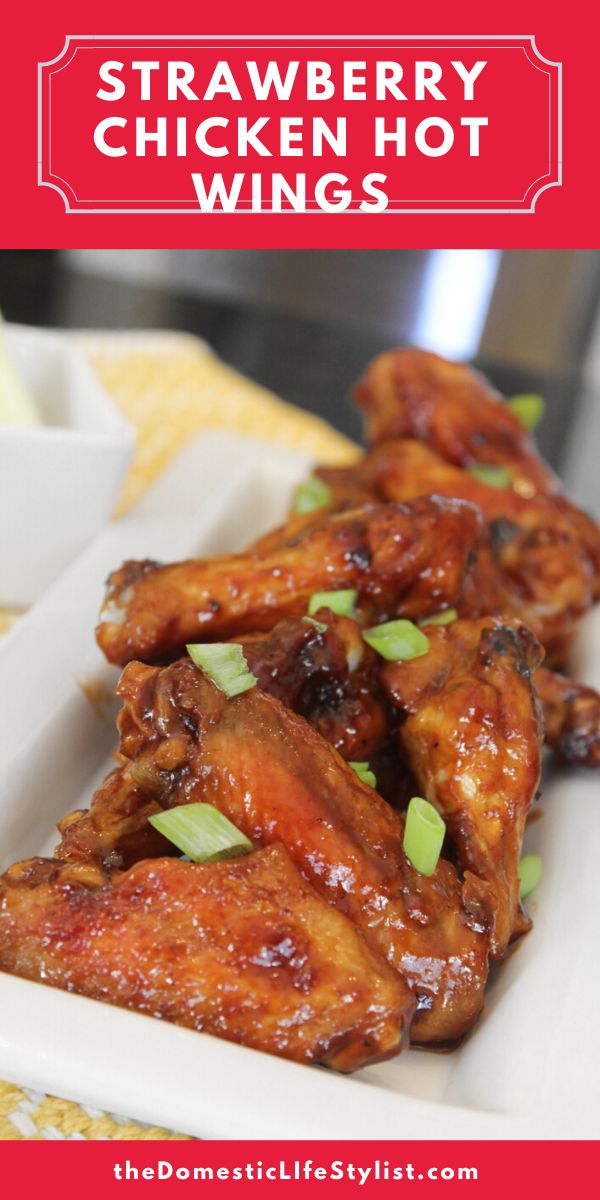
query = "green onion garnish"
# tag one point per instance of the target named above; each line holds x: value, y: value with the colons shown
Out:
x: 423, y: 835
x: 396, y: 640
x: 530, y: 873
x: 529, y: 409
x: 311, y: 494
x: 224, y: 662
x: 341, y: 603
x: 498, y: 477
x: 201, y: 832
x: 319, y: 625
x: 364, y: 772
x: 446, y: 617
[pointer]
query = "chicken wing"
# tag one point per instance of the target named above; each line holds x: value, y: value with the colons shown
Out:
x: 277, y: 780
x: 411, y: 393
x: 398, y: 556
x: 472, y: 736
x: 114, y: 832
x: 532, y: 566
x: 324, y: 670
x: 245, y: 950
x: 571, y: 717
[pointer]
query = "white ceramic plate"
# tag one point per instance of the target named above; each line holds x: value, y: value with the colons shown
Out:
x: 530, y: 1068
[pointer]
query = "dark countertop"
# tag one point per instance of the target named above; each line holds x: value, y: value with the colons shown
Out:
x: 311, y: 363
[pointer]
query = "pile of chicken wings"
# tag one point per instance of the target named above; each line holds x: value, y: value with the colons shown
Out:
x: 324, y: 943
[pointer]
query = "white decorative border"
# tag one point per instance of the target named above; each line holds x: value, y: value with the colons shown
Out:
x: 306, y: 37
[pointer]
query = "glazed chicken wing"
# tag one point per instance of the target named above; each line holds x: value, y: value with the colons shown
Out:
x: 114, y: 832
x: 324, y: 670
x: 472, y: 734
x: 411, y: 393
x: 532, y: 566
x: 324, y: 944
x: 398, y: 556
x: 332, y: 678
x: 329, y: 675
x: 277, y: 780
x: 571, y: 717
x: 245, y: 950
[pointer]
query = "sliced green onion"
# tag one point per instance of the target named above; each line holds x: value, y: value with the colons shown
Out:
x: 530, y: 873
x: 529, y: 409
x: 364, y: 772
x: 424, y: 834
x: 396, y: 640
x: 446, y: 617
x: 498, y: 477
x: 319, y: 625
x: 311, y: 494
x: 341, y: 603
x: 201, y: 832
x: 224, y: 662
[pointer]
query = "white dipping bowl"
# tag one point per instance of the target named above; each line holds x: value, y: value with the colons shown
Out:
x: 59, y: 482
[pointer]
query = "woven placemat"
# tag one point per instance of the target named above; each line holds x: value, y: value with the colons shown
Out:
x: 170, y: 387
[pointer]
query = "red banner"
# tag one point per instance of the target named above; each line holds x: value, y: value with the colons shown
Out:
x: 258, y: 125
x: 512, y: 193
x: 490, y: 1170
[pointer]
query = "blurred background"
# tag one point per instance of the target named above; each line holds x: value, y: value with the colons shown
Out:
x: 305, y: 323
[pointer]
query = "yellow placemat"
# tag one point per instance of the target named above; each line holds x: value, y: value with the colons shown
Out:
x: 169, y: 387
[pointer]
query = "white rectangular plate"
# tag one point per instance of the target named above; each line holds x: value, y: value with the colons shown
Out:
x: 529, y: 1069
